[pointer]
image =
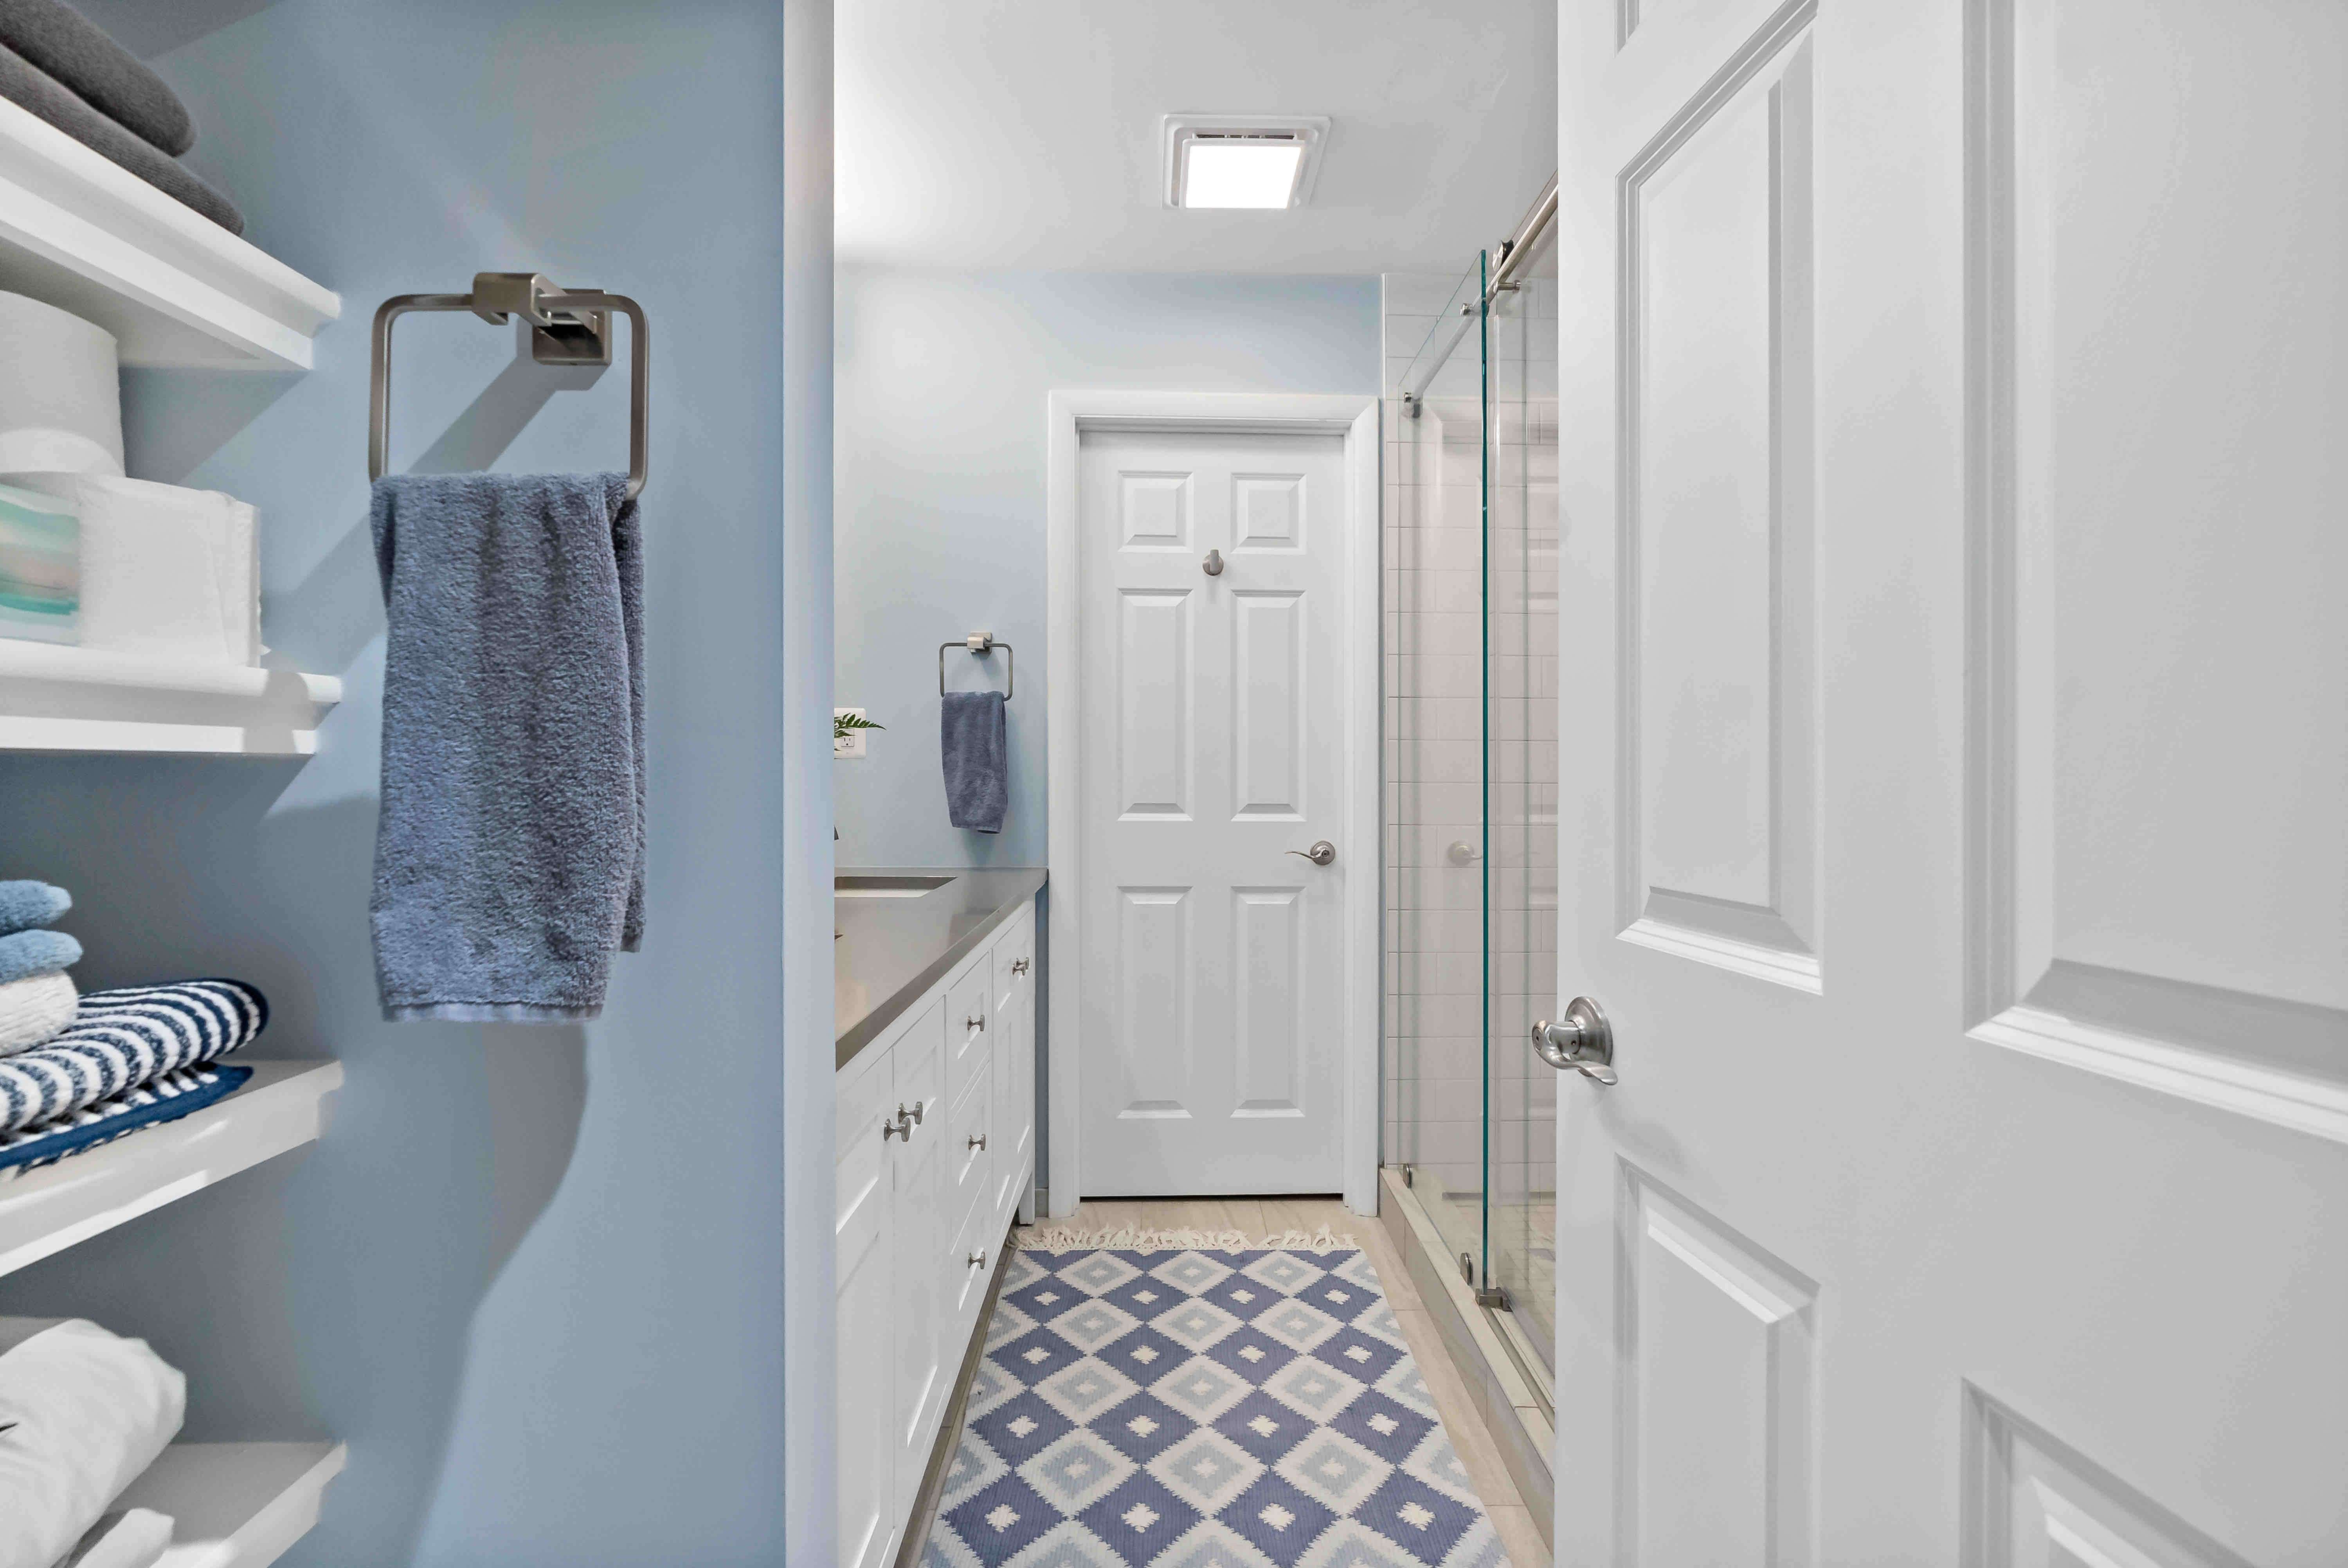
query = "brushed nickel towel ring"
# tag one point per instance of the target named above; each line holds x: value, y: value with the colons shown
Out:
x: 568, y: 327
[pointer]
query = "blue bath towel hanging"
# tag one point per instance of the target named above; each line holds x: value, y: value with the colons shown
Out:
x: 509, y: 855
x: 972, y: 739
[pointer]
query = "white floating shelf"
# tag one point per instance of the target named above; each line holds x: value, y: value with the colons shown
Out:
x: 236, y: 1505
x: 279, y: 1107
x: 173, y: 287
x: 56, y: 698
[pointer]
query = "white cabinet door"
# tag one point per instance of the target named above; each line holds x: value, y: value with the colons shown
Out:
x: 1956, y: 704
x: 920, y: 1236
x: 867, y: 1433
x: 1213, y: 741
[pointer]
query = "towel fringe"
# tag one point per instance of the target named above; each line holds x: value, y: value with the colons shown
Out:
x: 1141, y: 1238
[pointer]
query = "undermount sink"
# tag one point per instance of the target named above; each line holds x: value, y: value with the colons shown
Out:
x: 886, y: 886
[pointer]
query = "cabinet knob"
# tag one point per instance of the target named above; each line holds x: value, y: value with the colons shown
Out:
x: 977, y: 1140
x: 976, y: 1260
x: 1018, y: 966
x: 978, y: 1023
x: 898, y: 1127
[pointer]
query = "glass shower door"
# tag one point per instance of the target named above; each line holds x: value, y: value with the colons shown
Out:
x: 1474, y: 731
x: 1521, y: 760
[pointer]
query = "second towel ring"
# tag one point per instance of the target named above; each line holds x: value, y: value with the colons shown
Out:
x: 978, y: 644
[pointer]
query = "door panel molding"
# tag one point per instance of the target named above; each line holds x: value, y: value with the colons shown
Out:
x: 1718, y: 1362
x: 1355, y: 419
x: 1718, y: 846
x: 2281, y: 1059
x: 2031, y: 1500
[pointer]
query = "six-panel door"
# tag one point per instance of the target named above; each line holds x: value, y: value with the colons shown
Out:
x: 1213, y: 740
x: 1955, y: 689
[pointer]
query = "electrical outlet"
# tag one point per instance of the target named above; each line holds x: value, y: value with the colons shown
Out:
x: 850, y: 745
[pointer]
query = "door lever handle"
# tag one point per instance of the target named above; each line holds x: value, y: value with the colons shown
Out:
x: 1583, y: 1043
x: 1321, y: 853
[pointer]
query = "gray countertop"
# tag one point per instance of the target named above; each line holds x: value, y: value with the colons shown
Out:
x: 889, y: 951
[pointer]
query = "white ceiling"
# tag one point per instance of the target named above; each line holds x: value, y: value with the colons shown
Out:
x: 1023, y: 133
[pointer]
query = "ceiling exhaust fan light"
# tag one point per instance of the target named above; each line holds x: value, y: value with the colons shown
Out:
x: 1264, y: 163
x: 1240, y: 173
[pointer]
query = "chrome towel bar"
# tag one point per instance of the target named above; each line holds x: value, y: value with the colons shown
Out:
x: 568, y: 327
x: 979, y: 644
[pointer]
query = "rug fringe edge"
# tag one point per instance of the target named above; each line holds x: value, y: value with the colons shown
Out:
x: 1136, y: 1238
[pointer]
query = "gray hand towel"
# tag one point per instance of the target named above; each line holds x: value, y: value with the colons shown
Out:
x: 977, y: 758
x: 73, y: 49
x: 28, y: 86
x: 509, y: 861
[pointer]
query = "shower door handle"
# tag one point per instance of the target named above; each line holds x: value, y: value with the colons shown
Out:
x: 1583, y: 1042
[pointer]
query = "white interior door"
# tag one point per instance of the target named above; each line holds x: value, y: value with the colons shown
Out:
x: 1955, y: 716
x: 1213, y: 740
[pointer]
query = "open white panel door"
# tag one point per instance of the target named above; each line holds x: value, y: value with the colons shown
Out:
x: 1955, y: 721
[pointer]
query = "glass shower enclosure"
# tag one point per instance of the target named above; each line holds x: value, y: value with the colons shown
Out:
x: 1472, y: 768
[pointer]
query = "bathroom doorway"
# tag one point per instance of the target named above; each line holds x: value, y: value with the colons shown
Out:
x: 1213, y: 735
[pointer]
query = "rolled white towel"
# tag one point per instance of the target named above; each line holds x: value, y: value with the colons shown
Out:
x: 82, y: 1412
x: 134, y: 1538
x: 33, y: 1009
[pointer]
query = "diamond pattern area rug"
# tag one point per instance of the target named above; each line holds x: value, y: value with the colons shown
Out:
x: 1239, y: 1407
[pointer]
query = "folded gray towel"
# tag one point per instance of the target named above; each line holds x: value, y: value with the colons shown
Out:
x: 977, y: 758
x: 508, y: 859
x: 24, y: 905
x: 24, y: 954
x: 73, y: 49
x: 28, y: 86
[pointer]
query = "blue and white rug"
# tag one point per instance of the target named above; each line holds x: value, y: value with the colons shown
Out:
x: 1203, y: 1408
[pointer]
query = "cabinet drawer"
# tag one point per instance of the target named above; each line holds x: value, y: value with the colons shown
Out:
x: 979, y: 1238
x: 917, y: 1079
x: 865, y: 1095
x: 970, y: 1016
x: 969, y: 1150
x: 1015, y: 959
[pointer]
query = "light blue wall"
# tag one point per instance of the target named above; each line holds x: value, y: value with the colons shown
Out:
x: 535, y: 1277
x: 941, y: 385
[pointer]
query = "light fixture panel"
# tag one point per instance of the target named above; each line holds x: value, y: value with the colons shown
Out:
x: 1242, y: 161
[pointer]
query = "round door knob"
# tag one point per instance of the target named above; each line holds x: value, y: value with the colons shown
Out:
x: 1582, y: 1041
x: 1213, y: 565
x: 1321, y: 853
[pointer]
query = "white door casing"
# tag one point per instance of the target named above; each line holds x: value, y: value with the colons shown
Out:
x: 1217, y: 1031
x: 1954, y: 707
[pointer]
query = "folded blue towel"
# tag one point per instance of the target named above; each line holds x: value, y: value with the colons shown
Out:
x: 509, y: 857
x: 972, y: 739
x: 166, y: 1099
x: 24, y: 954
x: 124, y: 1038
x: 25, y: 905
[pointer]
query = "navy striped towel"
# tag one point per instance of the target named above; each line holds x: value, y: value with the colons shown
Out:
x: 123, y: 1038
x: 167, y: 1099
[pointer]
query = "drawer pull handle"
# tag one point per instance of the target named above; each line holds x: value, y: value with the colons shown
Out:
x: 977, y: 1140
x: 978, y: 1023
x: 976, y: 1260
x: 1018, y: 966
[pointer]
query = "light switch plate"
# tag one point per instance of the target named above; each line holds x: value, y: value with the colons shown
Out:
x: 850, y: 745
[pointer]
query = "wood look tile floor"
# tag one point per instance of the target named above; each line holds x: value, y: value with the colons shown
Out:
x: 1269, y: 1217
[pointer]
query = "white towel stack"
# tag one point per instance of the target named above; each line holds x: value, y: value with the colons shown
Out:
x: 165, y: 570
